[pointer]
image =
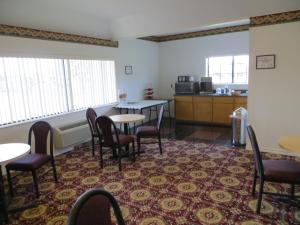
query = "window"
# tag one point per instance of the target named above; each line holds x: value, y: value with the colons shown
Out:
x: 34, y: 88
x: 228, y: 69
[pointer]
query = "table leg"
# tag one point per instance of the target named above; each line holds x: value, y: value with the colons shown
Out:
x: 169, y: 111
x: 3, y: 209
x: 150, y: 112
x: 126, y: 132
x: 142, y: 114
x: 134, y: 123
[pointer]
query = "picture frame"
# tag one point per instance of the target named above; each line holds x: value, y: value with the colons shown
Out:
x: 265, y: 61
x: 128, y: 70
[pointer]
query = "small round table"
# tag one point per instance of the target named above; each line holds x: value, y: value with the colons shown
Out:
x: 126, y: 119
x: 9, y: 152
x: 290, y: 143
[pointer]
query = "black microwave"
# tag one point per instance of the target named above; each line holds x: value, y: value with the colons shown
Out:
x: 187, y: 88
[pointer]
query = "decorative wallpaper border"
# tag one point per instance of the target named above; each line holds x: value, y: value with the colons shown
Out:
x: 54, y: 36
x: 195, y: 34
x: 284, y: 17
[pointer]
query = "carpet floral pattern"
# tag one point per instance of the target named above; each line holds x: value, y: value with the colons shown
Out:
x: 191, y: 183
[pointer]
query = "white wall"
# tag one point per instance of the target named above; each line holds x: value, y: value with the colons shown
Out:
x: 187, y: 56
x: 273, y: 101
x: 142, y: 55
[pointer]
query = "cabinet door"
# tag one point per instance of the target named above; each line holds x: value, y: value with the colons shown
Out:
x: 184, y: 110
x: 203, y: 111
x: 221, y: 113
x: 240, y: 102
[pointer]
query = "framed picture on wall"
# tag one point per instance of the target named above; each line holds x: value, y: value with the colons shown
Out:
x: 265, y: 62
x: 128, y: 70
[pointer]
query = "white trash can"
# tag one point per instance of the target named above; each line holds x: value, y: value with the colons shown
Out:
x: 239, y: 126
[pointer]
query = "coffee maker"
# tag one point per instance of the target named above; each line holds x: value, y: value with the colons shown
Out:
x: 206, y: 85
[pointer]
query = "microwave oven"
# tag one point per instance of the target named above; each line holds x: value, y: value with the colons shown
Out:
x: 187, y: 88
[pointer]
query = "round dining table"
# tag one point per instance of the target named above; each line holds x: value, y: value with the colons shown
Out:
x: 8, y: 153
x: 290, y: 143
x: 126, y: 119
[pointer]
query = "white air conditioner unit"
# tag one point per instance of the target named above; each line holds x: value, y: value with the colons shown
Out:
x: 71, y: 134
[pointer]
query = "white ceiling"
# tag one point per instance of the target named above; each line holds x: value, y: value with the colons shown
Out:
x: 134, y: 18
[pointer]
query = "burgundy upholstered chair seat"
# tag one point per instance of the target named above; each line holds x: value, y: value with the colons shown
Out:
x: 147, y: 131
x: 123, y: 139
x: 29, y: 162
x: 285, y: 171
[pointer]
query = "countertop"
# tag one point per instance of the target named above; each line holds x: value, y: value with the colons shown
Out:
x: 213, y: 95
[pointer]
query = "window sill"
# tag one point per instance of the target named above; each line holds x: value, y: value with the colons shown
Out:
x: 47, y: 118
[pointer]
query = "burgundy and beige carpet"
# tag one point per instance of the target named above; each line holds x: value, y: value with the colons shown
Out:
x: 191, y: 183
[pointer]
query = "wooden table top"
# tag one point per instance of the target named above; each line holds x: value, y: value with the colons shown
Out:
x: 12, y: 151
x: 127, y: 118
x: 290, y: 143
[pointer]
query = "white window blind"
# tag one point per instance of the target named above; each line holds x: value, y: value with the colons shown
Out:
x: 228, y: 69
x: 33, y: 88
x: 92, y: 82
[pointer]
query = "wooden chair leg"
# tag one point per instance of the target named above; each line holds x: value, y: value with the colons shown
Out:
x: 10, y: 183
x: 93, y: 146
x: 35, y: 182
x: 254, y: 182
x: 139, y: 145
x: 54, y: 171
x: 259, y: 200
x: 159, y: 143
x: 292, y: 190
x: 101, y: 156
x: 120, y: 158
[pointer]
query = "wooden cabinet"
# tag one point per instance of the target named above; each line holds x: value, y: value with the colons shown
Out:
x: 184, y: 108
x: 222, y: 108
x: 240, y: 102
x: 208, y: 109
x: 203, y: 109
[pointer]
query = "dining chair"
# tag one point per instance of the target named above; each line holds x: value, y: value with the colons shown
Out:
x: 278, y: 171
x: 41, y: 130
x: 91, y: 117
x: 93, y: 208
x: 150, y: 132
x: 108, y: 133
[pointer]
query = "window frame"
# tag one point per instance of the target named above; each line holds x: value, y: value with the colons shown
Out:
x: 232, y: 69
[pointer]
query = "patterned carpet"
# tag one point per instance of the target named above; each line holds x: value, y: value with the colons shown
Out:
x: 191, y: 183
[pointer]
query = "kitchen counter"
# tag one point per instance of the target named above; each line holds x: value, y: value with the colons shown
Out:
x: 213, y: 95
x: 208, y: 108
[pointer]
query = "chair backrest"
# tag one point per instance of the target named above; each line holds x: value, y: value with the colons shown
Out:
x: 160, y: 117
x: 91, y: 117
x: 257, y: 157
x: 104, y: 127
x: 41, y: 131
x: 93, y: 208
